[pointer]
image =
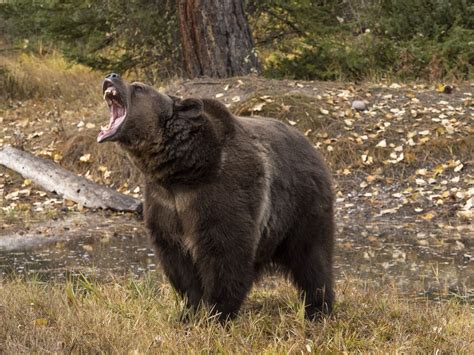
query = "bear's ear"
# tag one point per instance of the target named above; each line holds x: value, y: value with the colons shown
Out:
x: 188, y: 108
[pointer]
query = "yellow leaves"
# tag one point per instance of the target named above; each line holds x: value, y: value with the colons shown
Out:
x: 458, y: 167
x: 26, y: 182
x: 349, y: 122
x: 88, y: 247
x: 420, y: 182
x: 388, y: 211
x: 40, y: 322
x: 467, y: 216
x: 57, y: 157
x: 428, y: 216
x: 367, y: 159
x: 445, y: 89
x: 371, y: 178
x: 12, y: 196
x: 68, y: 203
x: 395, y: 158
x: 285, y: 108
x: 259, y: 106
x: 469, y: 102
x: 347, y: 113
x: 439, y: 169
x: 86, y: 158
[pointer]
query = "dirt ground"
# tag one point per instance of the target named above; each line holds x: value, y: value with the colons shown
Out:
x: 405, y: 162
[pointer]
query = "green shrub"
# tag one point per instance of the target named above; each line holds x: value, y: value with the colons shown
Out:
x: 300, y: 39
x: 406, y: 39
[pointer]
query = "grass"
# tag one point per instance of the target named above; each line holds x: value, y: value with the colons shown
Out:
x: 30, y: 76
x: 140, y: 316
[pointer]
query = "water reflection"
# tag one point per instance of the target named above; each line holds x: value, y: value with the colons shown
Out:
x: 119, y: 255
x: 95, y: 248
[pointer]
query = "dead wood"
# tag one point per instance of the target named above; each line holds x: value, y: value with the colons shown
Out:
x: 54, y: 178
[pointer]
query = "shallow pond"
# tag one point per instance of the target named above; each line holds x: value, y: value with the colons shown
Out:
x: 411, y: 257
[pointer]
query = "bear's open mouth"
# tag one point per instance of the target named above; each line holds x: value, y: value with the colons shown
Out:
x: 117, y: 112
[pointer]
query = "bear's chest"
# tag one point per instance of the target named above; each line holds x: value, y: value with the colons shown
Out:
x: 167, y: 214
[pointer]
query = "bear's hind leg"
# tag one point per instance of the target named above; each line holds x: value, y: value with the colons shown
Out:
x: 307, y: 255
x: 313, y: 276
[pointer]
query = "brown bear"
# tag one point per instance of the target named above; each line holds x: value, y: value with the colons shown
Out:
x: 226, y: 197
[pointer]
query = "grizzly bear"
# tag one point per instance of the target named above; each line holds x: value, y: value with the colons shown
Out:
x: 226, y: 197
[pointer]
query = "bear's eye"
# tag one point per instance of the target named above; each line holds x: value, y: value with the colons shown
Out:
x: 137, y: 88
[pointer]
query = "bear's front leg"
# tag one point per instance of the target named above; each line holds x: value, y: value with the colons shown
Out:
x: 180, y: 271
x: 225, y: 264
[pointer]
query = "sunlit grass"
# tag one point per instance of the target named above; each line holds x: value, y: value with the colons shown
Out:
x: 29, y: 76
x: 128, y: 315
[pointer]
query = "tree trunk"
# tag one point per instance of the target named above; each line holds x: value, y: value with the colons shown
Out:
x: 216, y: 38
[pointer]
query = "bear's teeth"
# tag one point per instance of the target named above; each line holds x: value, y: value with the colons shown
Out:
x: 111, y: 90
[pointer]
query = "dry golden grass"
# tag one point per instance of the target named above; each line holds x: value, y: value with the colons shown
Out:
x: 141, y: 316
x: 28, y: 76
x: 110, y: 155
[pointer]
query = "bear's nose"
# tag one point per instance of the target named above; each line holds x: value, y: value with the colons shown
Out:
x: 112, y: 76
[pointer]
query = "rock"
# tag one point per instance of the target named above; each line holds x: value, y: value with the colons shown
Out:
x: 359, y: 105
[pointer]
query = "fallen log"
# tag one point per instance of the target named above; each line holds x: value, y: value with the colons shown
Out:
x: 53, y: 178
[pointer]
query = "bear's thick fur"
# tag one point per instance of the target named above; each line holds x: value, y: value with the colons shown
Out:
x: 226, y: 196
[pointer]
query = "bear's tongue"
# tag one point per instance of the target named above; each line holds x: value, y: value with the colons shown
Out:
x: 117, y: 116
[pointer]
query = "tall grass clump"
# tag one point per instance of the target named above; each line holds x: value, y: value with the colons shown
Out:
x: 29, y: 76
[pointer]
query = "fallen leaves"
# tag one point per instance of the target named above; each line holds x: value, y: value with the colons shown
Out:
x: 86, y: 158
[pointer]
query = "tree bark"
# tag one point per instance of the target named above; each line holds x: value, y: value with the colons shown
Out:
x: 54, y: 178
x: 216, y: 38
